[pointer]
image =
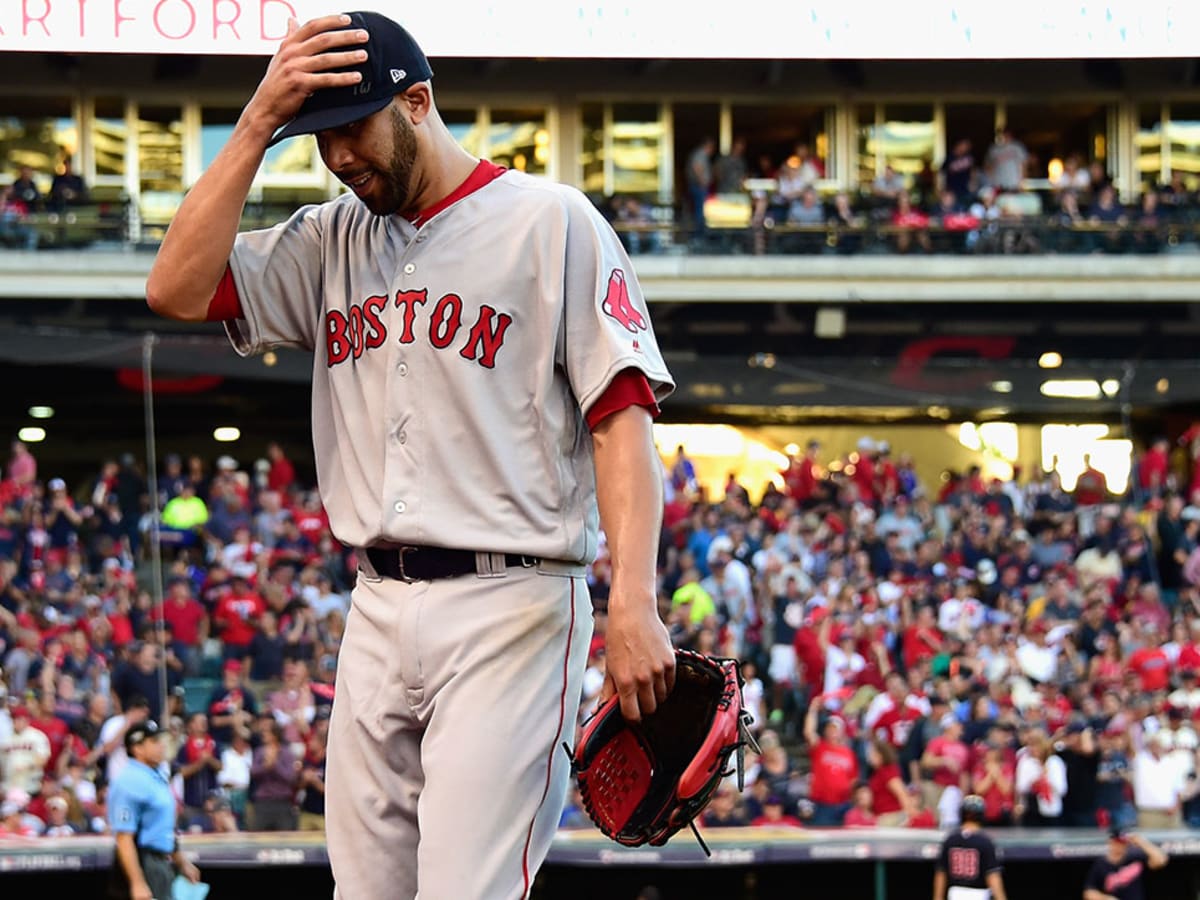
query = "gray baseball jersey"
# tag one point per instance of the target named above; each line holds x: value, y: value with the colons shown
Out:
x: 453, y: 363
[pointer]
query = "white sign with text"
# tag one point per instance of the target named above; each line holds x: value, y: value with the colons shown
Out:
x: 773, y: 29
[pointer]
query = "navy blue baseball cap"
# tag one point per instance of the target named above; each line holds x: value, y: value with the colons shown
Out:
x: 140, y: 732
x: 394, y: 63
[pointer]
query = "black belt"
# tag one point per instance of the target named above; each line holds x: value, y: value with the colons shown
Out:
x: 413, y: 563
x: 150, y: 851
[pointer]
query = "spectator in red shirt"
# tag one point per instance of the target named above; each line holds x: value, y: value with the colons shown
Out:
x: 810, y: 654
x: 834, y: 768
x: 1091, y: 488
x: 22, y: 468
x: 800, y: 477
x: 910, y: 223
x: 1148, y: 610
x: 121, y: 633
x: 41, y: 717
x: 922, y: 640
x: 1189, y: 652
x: 282, y: 474
x: 892, y: 804
x: 922, y: 817
x: 1149, y: 663
x: 887, y: 477
x: 892, y: 714
x: 11, y: 822
x: 861, y: 814
x: 993, y: 779
x: 1154, y: 468
x: 946, y: 761
x: 311, y: 519
x: 236, y: 618
x: 863, y: 475
x: 188, y: 621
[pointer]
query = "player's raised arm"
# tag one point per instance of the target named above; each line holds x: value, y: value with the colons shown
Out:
x: 196, y: 248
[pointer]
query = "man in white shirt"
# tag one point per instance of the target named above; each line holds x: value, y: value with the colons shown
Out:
x: 900, y: 520
x: 842, y: 662
x: 23, y: 755
x: 234, y: 777
x: 324, y: 600
x: 730, y: 587
x: 1037, y: 659
x: 111, y: 742
x: 1158, y: 783
x: 1187, y: 695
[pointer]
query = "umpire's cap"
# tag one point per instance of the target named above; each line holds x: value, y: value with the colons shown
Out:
x: 394, y: 63
x: 140, y: 732
x: 972, y: 808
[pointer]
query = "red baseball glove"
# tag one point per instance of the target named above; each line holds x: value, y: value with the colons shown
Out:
x: 643, y: 781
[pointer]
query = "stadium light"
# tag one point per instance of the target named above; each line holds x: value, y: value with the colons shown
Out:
x: 1051, y: 359
x: 830, y: 323
x: 1072, y: 388
x: 1110, y: 386
x: 1001, y: 387
x: 31, y: 434
x: 41, y: 412
x: 226, y: 434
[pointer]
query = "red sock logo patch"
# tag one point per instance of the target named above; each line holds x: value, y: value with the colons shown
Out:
x: 616, y: 303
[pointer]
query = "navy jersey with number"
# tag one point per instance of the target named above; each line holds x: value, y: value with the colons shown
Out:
x: 967, y: 858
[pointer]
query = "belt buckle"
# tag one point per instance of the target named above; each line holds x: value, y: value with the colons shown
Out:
x: 400, y: 551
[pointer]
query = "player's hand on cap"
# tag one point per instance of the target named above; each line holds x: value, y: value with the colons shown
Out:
x: 301, y: 66
x: 639, y: 657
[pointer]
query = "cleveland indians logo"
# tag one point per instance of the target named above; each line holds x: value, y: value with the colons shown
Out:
x: 616, y: 303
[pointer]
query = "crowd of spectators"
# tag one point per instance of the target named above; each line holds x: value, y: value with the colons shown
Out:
x: 901, y: 644
x: 255, y: 597
x: 999, y: 200
x: 22, y: 198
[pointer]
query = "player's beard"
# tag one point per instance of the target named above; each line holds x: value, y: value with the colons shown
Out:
x: 396, y: 180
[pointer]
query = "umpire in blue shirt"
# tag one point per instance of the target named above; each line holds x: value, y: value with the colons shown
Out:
x: 141, y: 813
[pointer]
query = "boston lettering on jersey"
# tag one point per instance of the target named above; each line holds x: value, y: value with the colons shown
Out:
x: 348, y: 335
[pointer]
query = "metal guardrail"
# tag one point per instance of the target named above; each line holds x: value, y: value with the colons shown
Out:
x: 114, y: 223
x: 731, y: 846
x: 1008, y: 236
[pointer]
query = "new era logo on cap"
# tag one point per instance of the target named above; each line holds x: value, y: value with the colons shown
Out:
x: 398, y: 75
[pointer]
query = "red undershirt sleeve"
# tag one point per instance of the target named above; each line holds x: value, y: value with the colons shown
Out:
x: 628, y: 388
x: 225, y: 303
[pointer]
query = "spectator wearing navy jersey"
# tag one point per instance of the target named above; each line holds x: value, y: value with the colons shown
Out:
x: 232, y: 705
x: 198, y: 763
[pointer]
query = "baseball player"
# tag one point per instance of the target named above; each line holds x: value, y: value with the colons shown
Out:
x: 484, y: 380
x: 968, y: 867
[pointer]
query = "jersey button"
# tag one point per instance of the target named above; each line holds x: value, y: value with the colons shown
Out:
x: 409, y: 268
x: 402, y: 437
x: 400, y: 506
x: 421, y: 237
x: 402, y: 368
